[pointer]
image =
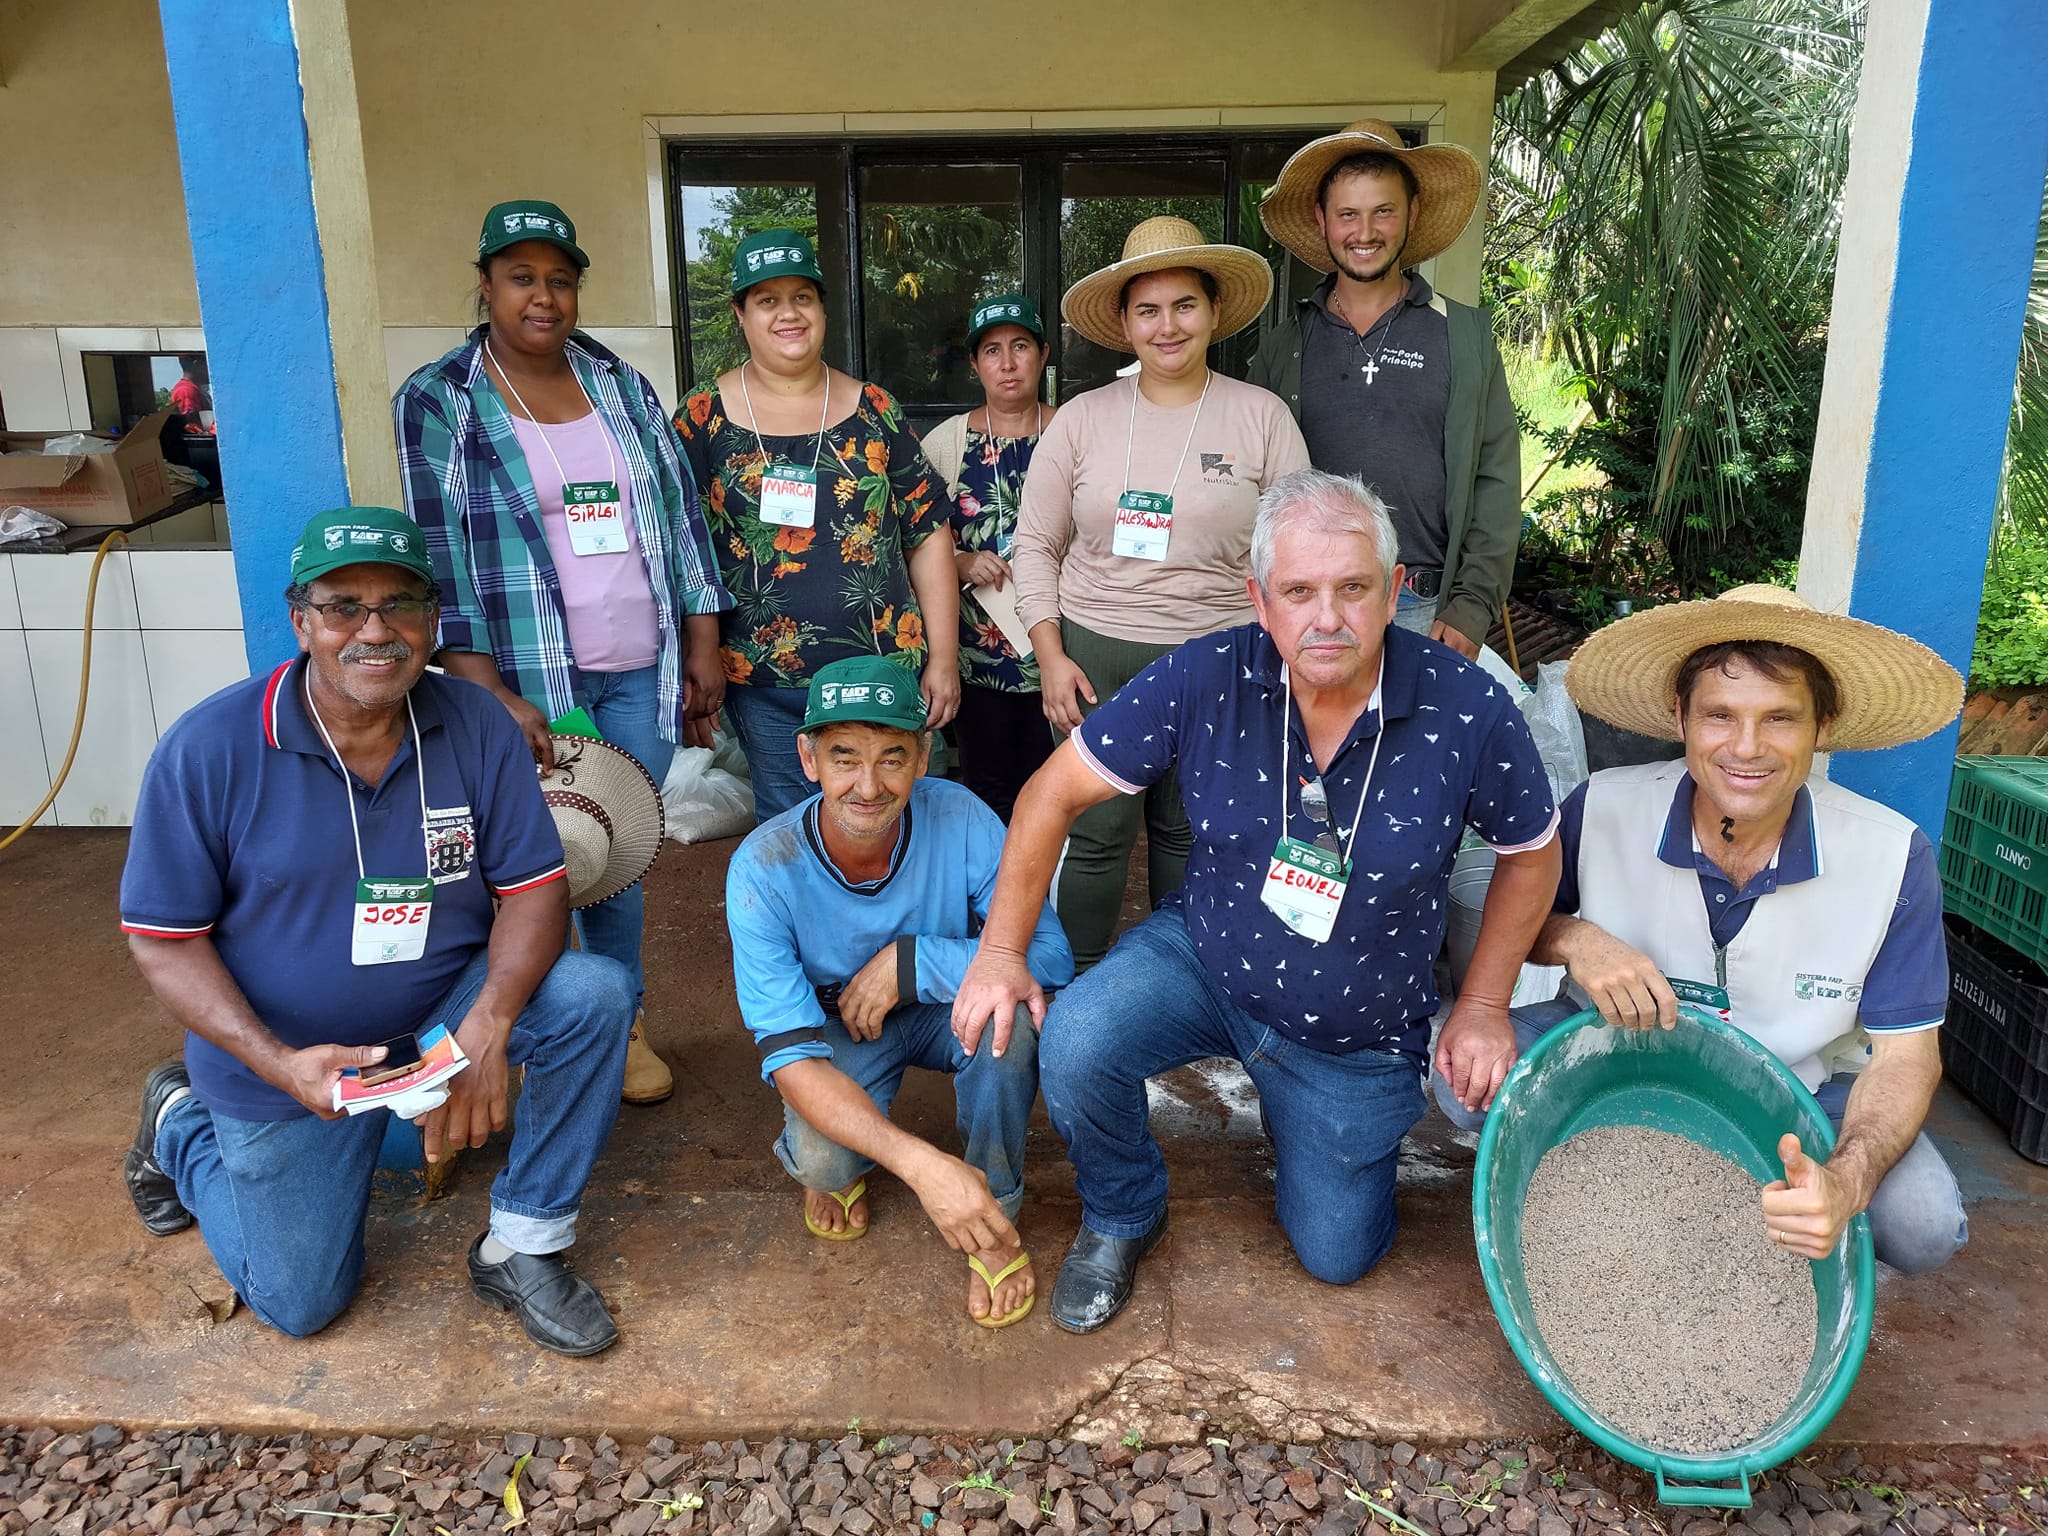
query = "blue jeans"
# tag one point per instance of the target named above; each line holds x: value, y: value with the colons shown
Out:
x: 627, y: 709
x: 992, y: 1097
x: 766, y: 722
x: 281, y: 1203
x: 1416, y: 613
x: 1336, y: 1121
x: 1917, y: 1221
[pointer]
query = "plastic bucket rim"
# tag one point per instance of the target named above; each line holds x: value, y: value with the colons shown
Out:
x: 1745, y: 1461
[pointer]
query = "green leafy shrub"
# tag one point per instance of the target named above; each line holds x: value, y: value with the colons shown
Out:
x: 2012, y: 626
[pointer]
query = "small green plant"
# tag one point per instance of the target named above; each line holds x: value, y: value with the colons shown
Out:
x: 675, y: 1505
x: 1384, y: 1511
x: 1045, y: 1503
x: 977, y: 1480
x: 2012, y: 624
x: 882, y: 1446
x: 1134, y: 1440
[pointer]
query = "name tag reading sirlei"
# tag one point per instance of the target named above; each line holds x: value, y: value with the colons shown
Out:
x: 597, y: 521
x: 1304, y: 887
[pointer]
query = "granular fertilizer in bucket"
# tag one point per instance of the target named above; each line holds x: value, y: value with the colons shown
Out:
x: 1658, y: 1291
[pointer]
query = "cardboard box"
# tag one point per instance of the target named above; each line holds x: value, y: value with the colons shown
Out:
x: 89, y: 489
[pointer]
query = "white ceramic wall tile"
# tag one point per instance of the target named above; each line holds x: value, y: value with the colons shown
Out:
x: 24, y: 773
x: 181, y: 338
x: 120, y: 722
x: 32, y: 380
x: 186, y: 589
x: 651, y: 349
x: 52, y: 592
x: 188, y: 665
x: 407, y: 347
x: 10, y: 605
x: 74, y: 339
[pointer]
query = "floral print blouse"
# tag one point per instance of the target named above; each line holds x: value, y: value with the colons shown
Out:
x: 985, y: 499
x: 808, y: 596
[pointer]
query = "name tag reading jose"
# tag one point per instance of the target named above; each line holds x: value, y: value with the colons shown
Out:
x: 1304, y: 888
x: 597, y: 522
x: 1144, y: 522
x: 789, y: 496
x: 391, y: 921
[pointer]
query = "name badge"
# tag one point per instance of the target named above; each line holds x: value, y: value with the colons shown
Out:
x: 1703, y: 995
x: 391, y: 921
x: 789, y: 496
x: 1144, y: 522
x: 1304, y: 888
x: 597, y: 522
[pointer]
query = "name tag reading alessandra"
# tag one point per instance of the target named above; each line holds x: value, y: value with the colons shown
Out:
x: 391, y: 921
x: 1304, y: 888
x: 1144, y: 522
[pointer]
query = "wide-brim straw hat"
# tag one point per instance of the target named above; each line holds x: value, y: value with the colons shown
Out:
x: 609, y: 812
x: 1892, y: 689
x: 1243, y: 281
x: 1446, y: 180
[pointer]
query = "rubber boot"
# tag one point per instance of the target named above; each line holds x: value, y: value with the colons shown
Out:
x: 648, y: 1079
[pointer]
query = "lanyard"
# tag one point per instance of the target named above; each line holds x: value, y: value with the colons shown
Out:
x: 1132, y: 436
x: 419, y: 760
x: 1286, y: 708
x: 824, y: 409
x: 611, y: 461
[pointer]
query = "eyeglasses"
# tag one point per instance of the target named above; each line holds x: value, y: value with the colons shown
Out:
x: 1315, y: 804
x: 347, y: 617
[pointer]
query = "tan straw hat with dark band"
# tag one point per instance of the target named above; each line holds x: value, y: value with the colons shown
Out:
x: 609, y: 812
x: 1892, y: 688
x: 1446, y: 178
x: 1243, y: 281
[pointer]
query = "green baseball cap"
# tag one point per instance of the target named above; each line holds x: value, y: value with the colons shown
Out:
x: 864, y: 689
x: 1004, y: 309
x: 528, y: 218
x: 359, y: 536
x: 773, y: 253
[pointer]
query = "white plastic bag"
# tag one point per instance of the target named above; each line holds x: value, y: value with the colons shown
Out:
x: 705, y: 802
x: 1554, y: 722
x: 24, y: 525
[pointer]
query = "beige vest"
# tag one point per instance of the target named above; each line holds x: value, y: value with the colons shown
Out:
x: 1794, y: 975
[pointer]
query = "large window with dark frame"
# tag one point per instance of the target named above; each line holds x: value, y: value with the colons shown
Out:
x: 911, y: 233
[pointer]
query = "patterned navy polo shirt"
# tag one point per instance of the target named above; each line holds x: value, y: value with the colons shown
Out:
x: 1457, y: 753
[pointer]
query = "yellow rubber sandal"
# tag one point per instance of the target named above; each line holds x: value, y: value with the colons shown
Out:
x: 992, y: 1281
x: 846, y: 1203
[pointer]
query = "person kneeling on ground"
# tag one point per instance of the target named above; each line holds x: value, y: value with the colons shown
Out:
x: 1805, y: 914
x: 852, y: 917
x: 266, y: 813
x: 1330, y: 764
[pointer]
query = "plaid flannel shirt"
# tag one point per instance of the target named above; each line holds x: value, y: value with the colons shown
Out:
x: 466, y: 484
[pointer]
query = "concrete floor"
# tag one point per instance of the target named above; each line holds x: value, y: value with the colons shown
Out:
x: 736, y: 1322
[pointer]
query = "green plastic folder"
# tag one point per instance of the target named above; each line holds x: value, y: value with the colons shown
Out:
x: 576, y: 723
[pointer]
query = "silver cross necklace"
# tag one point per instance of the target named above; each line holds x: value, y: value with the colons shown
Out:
x: 1371, y: 366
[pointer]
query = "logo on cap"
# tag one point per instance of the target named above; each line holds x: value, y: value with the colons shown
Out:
x: 365, y: 536
x: 333, y: 536
x: 885, y: 695
x: 828, y: 694
x: 512, y: 223
x: 400, y: 542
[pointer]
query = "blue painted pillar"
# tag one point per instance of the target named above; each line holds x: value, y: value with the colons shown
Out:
x: 254, y: 87
x: 1938, y: 232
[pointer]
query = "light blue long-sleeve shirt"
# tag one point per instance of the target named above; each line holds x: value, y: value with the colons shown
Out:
x: 798, y: 924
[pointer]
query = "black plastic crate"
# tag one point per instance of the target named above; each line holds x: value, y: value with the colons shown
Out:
x: 1995, y: 1039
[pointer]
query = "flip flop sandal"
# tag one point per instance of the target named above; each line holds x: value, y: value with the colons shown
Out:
x: 992, y: 1281
x: 846, y: 1203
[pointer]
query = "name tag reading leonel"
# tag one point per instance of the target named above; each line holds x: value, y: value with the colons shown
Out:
x: 1144, y: 522
x: 1304, y: 888
x: 789, y: 496
x: 391, y: 921
x: 597, y: 523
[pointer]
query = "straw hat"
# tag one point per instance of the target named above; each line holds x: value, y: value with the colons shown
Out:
x: 1243, y: 281
x: 1892, y: 688
x: 1446, y: 178
x: 608, y: 810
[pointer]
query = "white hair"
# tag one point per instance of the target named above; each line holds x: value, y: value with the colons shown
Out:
x: 1325, y: 503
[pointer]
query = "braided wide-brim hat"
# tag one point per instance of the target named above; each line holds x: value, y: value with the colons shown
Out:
x: 1892, y: 689
x: 609, y: 812
x: 1243, y: 281
x: 1446, y: 180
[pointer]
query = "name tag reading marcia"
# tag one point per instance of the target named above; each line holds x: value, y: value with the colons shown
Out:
x: 391, y: 921
x: 1144, y: 522
x: 597, y: 521
x: 789, y: 496
x: 1304, y: 888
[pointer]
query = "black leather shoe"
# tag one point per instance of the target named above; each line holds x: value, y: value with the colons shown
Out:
x: 1096, y: 1275
x: 558, y: 1308
x: 155, y: 1196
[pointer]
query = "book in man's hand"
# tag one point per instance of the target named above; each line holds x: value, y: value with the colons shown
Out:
x: 409, y: 1089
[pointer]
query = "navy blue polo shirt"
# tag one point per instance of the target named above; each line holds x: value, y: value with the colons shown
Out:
x: 1457, y: 754
x: 242, y: 834
x: 1906, y: 986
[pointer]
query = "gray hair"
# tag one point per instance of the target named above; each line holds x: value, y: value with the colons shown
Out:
x: 1325, y: 503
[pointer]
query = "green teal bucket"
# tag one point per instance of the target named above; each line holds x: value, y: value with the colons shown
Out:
x: 1713, y: 1084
